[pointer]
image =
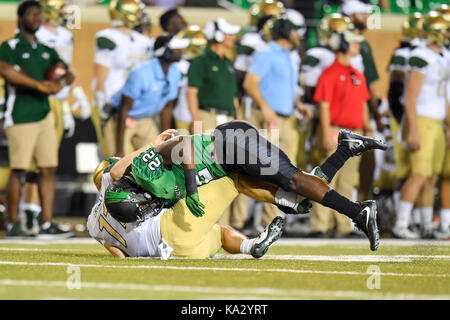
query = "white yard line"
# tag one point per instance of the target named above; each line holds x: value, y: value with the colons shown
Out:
x: 166, y: 267
x: 230, y: 292
x: 337, y: 258
x: 281, y: 242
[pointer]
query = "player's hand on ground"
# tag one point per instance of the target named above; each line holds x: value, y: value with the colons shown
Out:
x: 194, y: 205
x: 166, y: 135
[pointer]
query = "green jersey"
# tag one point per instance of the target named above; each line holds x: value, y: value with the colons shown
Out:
x: 24, y: 104
x: 151, y: 174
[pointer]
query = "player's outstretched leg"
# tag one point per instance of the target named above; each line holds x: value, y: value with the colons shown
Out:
x: 271, y: 234
x: 350, y: 144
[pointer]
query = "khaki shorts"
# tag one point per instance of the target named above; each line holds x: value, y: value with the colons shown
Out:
x: 446, y: 169
x: 143, y: 132
x: 199, y: 238
x: 429, y: 159
x: 209, y: 119
x: 35, y: 141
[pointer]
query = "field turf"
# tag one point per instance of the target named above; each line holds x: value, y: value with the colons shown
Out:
x: 292, y: 269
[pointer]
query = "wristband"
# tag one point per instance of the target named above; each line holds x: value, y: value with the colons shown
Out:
x: 191, y: 184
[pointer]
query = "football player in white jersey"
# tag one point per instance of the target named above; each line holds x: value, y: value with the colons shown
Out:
x: 444, y: 187
x: 425, y: 111
x: 131, y: 223
x: 412, y: 37
x: 198, y: 43
x: 118, y: 50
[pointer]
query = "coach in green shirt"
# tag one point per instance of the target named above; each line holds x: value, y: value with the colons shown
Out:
x: 29, y: 125
x: 212, y: 83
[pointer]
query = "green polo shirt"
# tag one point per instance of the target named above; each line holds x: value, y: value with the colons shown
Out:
x: 215, y: 79
x: 25, y: 104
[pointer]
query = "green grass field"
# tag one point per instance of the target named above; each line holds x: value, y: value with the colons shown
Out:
x: 292, y: 269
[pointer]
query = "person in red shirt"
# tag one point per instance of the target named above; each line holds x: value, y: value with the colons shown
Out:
x: 342, y: 96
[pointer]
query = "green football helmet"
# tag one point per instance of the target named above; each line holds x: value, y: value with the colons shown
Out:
x: 126, y: 202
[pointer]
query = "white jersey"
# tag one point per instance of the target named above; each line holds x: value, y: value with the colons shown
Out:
x: 120, y: 53
x: 62, y: 42
x: 136, y: 240
x: 316, y: 60
x: 250, y: 43
x: 431, y: 101
x: 181, y: 110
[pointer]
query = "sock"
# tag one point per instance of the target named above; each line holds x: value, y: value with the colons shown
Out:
x: 341, y: 204
x: 416, y: 216
x: 46, y: 225
x: 287, y: 199
x: 426, y: 216
x: 335, y: 162
x: 32, y: 207
x: 403, y: 214
x: 246, y: 245
x: 444, y: 216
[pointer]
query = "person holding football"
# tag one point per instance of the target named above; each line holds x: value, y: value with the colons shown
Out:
x: 24, y: 63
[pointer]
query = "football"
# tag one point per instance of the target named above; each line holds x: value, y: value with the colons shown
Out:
x: 55, y: 72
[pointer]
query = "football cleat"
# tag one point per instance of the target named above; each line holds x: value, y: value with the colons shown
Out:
x: 366, y: 221
x: 358, y: 144
x: 271, y: 234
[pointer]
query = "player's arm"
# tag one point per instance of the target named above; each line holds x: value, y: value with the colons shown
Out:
x: 414, y: 84
x: 11, y: 75
x: 116, y: 252
x: 119, y: 169
x: 182, y: 147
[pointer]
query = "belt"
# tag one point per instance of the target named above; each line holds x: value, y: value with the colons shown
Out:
x: 283, y: 115
x: 218, y: 111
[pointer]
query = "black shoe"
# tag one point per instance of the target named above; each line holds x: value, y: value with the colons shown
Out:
x: 366, y: 221
x: 271, y: 234
x: 358, y: 144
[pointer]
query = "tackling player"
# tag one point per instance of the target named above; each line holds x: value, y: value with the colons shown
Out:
x: 129, y: 222
x: 174, y: 169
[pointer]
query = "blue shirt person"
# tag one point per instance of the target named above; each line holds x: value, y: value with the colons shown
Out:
x: 279, y: 77
x: 150, y: 90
